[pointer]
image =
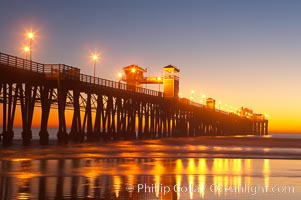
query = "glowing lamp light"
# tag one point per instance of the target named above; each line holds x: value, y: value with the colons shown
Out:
x: 119, y: 74
x: 94, y: 57
x: 133, y: 70
x: 26, y: 49
x: 30, y: 35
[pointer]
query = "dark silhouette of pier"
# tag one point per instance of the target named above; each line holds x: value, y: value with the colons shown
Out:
x: 120, y: 111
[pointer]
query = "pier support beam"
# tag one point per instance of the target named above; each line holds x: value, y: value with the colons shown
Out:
x: 1, y: 95
x: 76, y: 133
x: 4, y: 114
x: 46, y: 97
x: 98, y: 116
x: 88, y: 119
x: 9, y: 108
x: 266, y: 127
x: 119, y: 117
x: 28, y: 100
x: 110, y: 117
x: 62, y: 135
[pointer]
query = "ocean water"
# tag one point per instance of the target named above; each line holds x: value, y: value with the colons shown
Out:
x: 149, y: 170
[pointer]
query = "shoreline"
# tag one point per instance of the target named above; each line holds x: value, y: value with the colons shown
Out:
x: 249, y: 147
x: 232, y: 140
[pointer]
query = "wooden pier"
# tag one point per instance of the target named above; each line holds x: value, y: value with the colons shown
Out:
x: 103, y: 109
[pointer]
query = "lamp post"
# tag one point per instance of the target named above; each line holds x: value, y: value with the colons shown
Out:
x: 180, y: 95
x: 30, y: 36
x: 26, y: 49
x: 159, y: 80
x: 226, y: 107
x: 204, y: 98
x: 120, y: 78
x: 192, y: 93
x: 94, y: 58
x: 219, y: 105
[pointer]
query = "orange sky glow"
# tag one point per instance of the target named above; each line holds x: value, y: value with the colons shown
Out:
x: 243, y: 54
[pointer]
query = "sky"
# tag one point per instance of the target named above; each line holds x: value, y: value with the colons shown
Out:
x: 242, y: 53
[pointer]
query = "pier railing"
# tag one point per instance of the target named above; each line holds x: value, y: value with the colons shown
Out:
x: 118, y: 85
x: 21, y: 63
x: 61, y: 71
x: 68, y: 72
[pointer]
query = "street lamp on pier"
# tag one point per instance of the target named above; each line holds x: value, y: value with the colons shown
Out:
x: 30, y: 37
x: 26, y: 49
x: 192, y: 95
x: 159, y: 78
x: 204, y: 99
x: 94, y: 58
x: 120, y: 78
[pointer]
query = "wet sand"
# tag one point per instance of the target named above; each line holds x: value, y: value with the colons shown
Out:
x: 194, y: 147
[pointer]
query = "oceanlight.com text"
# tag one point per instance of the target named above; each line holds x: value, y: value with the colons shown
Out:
x: 213, y: 188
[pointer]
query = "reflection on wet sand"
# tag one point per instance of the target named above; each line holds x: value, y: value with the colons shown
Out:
x: 266, y: 171
x: 187, y: 178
